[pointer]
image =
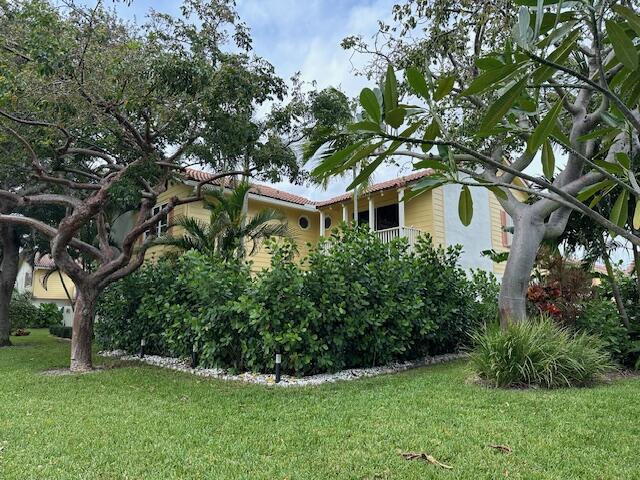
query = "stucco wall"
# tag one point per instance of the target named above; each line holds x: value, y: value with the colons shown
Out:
x: 474, y: 238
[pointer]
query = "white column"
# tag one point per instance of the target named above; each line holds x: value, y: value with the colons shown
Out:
x: 345, y: 213
x: 372, y: 214
x: 401, y: 209
x: 321, y: 223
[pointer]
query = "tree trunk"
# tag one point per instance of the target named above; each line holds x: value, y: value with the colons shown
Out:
x: 615, y: 289
x: 527, y: 237
x: 9, y: 260
x: 82, y: 332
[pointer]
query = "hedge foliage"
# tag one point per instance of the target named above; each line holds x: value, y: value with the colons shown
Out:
x: 355, y: 302
x: 60, y: 331
x: 24, y: 314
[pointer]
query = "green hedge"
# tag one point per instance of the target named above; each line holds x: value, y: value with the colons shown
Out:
x: 356, y: 302
x: 60, y: 331
x: 24, y: 314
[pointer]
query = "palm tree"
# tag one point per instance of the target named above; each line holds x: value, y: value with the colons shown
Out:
x: 229, y: 228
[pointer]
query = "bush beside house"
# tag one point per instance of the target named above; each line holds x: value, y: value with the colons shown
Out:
x: 355, y: 303
x: 24, y: 314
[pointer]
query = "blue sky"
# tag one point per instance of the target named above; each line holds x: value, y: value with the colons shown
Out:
x: 304, y: 36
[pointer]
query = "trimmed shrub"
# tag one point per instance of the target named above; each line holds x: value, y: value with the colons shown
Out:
x: 280, y: 318
x: 60, y: 331
x: 133, y: 308
x: 369, y: 299
x: 357, y: 302
x: 203, y: 310
x: 538, y: 353
x: 600, y: 317
x: 22, y: 313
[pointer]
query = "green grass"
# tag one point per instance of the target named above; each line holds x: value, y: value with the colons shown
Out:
x: 139, y: 422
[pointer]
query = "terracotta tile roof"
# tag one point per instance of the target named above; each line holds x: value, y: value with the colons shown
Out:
x: 377, y: 187
x: 271, y: 192
x: 258, y: 189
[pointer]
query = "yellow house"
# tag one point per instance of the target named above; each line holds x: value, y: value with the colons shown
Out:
x: 47, y: 285
x: 380, y: 205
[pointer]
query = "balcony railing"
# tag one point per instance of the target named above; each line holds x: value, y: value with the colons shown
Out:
x: 410, y: 233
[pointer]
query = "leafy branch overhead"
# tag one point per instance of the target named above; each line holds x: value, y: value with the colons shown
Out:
x: 527, y: 94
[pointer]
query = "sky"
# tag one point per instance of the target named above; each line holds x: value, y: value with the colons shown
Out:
x: 304, y: 36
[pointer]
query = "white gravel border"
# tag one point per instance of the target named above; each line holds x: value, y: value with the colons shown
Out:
x: 182, y: 365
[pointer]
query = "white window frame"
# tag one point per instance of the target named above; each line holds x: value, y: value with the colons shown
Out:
x: 163, y: 224
x: 308, y: 222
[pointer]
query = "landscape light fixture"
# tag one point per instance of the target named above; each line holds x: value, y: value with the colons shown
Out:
x: 142, y: 344
x: 278, y: 364
x: 194, y: 356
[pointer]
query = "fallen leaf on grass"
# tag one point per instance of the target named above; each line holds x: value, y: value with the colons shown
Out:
x: 502, y: 448
x: 425, y: 457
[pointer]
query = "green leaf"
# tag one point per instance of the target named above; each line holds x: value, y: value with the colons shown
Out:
x: 417, y: 82
x: 445, y: 85
x: 425, y: 185
x: 591, y: 190
x: 429, y: 163
x: 636, y: 216
x: 364, y: 126
x: 600, y: 132
x: 548, y: 160
x: 623, y: 159
x: 395, y: 117
x: 364, y: 152
x: 491, y: 78
x: 333, y: 161
x: 432, y: 131
x: 465, y: 206
x: 369, y: 169
x: 630, y: 16
x: 620, y: 210
x: 390, y: 90
x: 622, y: 45
x: 559, y: 55
x: 500, y: 107
x: 498, y: 192
x: 609, y: 167
x: 488, y: 63
x: 369, y: 102
x: 544, y: 128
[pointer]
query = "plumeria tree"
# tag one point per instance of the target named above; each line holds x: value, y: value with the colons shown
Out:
x: 560, y: 91
x: 104, y: 114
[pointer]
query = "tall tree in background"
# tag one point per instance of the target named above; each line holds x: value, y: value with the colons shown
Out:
x: 106, y: 113
x: 564, y: 81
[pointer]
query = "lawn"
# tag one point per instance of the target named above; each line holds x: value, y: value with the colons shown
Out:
x: 140, y: 422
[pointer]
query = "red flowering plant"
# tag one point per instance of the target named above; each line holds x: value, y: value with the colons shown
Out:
x: 559, y: 288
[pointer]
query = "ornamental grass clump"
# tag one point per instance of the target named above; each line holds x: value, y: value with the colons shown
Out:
x: 538, y: 353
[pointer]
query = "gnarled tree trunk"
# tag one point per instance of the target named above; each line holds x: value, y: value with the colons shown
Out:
x: 528, y: 235
x: 81, y: 339
x: 9, y: 259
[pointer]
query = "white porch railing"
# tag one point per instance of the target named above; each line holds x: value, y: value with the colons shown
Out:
x: 389, y: 234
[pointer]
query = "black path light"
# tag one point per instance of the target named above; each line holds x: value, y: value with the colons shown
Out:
x: 194, y: 355
x: 278, y: 364
x: 142, y: 344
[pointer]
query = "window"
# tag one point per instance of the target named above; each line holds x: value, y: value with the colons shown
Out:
x: 363, y: 218
x: 303, y: 222
x: 506, y: 225
x: 387, y: 217
x: 327, y: 222
x: 162, y: 225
